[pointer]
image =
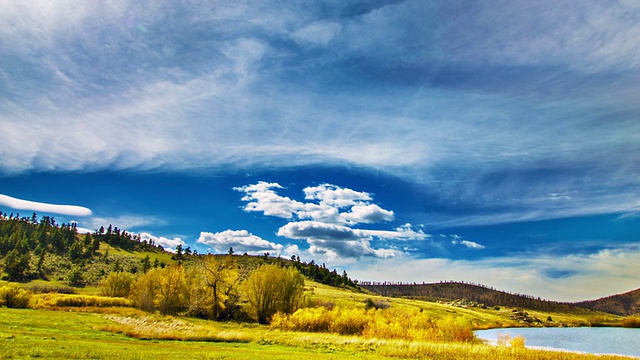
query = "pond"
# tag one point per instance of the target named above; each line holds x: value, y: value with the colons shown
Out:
x: 594, y: 340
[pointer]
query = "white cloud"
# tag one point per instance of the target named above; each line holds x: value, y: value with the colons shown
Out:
x: 72, y: 103
x: 338, y: 240
x: 562, y: 278
x: 335, y: 196
x: 125, y: 222
x: 367, y: 213
x: 241, y: 241
x: 319, y: 33
x: 327, y: 226
x: 20, y: 204
x: 469, y: 244
x: 335, y: 204
x: 168, y: 244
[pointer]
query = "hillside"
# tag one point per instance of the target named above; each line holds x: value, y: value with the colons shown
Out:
x: 448, y: 291
x: 622, y: 304
x: 54, y: 256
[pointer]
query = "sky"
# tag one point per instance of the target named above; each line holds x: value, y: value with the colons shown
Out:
x: 494, y: 142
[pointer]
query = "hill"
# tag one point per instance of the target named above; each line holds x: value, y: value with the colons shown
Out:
x: 51, y: 255
x: 622, y: 304
x: 480, y: 294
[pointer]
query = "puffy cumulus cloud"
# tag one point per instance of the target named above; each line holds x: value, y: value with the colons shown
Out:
x: 20, y: 204
x: 367, y: 213
x: 335, y: 204
x: 335, y: 196
x: 327, y: 222
x: 314, y: 230
x: 261, y: 197
x: 341, y: 241
x: 166, y: 243
x: 240, y: 240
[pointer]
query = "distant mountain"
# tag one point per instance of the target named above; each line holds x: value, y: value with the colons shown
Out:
x: 449, y: 291
x: 622, y: 304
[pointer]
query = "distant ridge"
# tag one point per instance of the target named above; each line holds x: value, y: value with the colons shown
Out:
x: 622, y: 304
x: 449, y: 291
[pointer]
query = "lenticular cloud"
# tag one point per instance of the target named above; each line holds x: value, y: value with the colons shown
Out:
x: 20, y: 204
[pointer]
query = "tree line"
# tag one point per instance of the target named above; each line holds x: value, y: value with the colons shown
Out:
x: 26, y: 243
x: 212, y: 287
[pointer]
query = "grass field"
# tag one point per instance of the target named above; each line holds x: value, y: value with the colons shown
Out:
x: 63, y: 326
x: 131, y: 334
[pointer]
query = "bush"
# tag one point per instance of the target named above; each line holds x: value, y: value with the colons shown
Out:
x: 381, y: 324
x: 12, y: 296
x: 631, y: 322
x: 46, y: 289
x: 45, y: 301
x: 117, y: 284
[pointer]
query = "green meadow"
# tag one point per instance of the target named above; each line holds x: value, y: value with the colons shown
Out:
x: 106, y: 332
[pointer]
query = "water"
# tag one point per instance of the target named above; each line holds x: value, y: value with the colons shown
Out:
x: 594, y: 340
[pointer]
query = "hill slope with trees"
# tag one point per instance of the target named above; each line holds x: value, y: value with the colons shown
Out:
x: 622, y: 304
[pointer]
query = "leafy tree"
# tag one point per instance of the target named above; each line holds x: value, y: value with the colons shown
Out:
x: 144, y: 290
x: 172, y: 290
x: 271, y: 289
x: 213, y: 284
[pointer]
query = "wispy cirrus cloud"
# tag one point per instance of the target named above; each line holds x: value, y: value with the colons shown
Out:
x: 129, y: 222
x: 20, y: 204
x: 142, y: 90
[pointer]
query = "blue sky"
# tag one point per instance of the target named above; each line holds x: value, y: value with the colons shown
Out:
x: 495, y: 142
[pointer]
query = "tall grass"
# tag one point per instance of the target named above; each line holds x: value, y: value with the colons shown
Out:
x: 52, y: 301
x: 380, y: 324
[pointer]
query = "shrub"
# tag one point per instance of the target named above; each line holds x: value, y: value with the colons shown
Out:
x: 44, y: 301
x: 631, y: 322
x: 518, y: 342
x: 117, y: 284
x: 381, y: 324
x: 46, y: 289
x: 12, y: 296
x: 349, y: 321
x: 506, y: 340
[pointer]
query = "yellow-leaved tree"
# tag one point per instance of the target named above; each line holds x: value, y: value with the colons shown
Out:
x: 270, y: 289
x: 161, y: 289
x: 213, y: 284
